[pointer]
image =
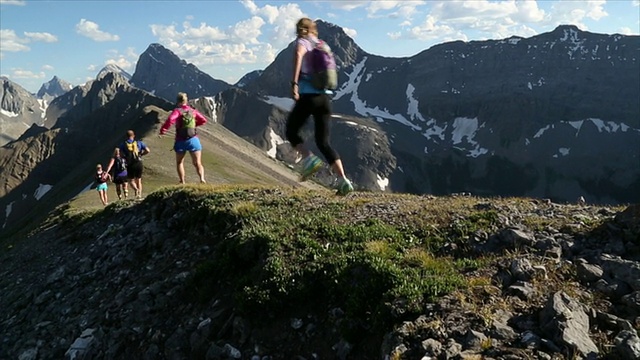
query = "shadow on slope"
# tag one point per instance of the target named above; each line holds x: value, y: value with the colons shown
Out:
x: 276, y: 272
x: 70, y: 162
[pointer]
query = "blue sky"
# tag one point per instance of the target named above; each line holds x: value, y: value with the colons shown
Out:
x: 226, y: 39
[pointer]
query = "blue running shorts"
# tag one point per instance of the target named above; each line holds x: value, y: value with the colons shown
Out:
x: 190, y: 145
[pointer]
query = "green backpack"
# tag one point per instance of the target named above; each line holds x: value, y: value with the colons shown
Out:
x: 188, y: 128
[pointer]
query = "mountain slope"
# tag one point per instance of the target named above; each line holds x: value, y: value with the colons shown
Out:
x: 114, y: 69
x: 53, y: 88
x: 218, y: 271
x: 19, y: 109
x: 511, y: 117
x: 60, y: 162
x: 541, y: 116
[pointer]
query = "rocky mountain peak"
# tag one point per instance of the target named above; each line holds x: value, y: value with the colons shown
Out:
x: 161, y: 53
x: 248, y: 78
x: 163, y: 73
x: 560, y: 29
x: 343, y: 46
x: 113, y: 68
x: 18, y: 110
x: 53, y: 88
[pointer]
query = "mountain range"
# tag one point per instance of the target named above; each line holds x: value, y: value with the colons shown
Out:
x: 555, y: 116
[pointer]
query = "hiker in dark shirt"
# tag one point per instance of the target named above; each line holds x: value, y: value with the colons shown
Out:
x: 119, y: 165
x: 101, y: 178
x: 133, y: 150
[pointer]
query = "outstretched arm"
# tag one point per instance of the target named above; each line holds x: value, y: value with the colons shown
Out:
x: 173, y: 117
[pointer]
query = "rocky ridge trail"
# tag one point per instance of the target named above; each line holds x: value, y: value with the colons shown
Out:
x: 541, y: 280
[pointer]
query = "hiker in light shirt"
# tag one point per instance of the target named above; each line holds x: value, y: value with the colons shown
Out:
x: 311, y: 101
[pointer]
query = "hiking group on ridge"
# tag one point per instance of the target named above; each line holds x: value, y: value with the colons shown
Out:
x: 127, y: 166
x: 314, y: 79
x: 126, y: 160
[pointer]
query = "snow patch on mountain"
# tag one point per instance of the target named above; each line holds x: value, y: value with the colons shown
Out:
x: 41, y: 191
x: 467, y: 128
x: 603, y: 126
x: 43, y: 107
x: 360, y: 106
x: 275, y: 141
x: 8, y: 113
x: 7, y: 212
x: 412, y: 106
x: 213, y: 106
x: 382, y: 182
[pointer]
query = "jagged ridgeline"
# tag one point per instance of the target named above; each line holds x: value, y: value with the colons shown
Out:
x: 537, y: 117
x: 221, y: 272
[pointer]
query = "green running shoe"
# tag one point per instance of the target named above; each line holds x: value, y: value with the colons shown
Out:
x: 344, y: 187
x: 310, y: 165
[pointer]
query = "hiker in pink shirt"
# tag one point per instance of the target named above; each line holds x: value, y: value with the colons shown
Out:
x: 186, y: 119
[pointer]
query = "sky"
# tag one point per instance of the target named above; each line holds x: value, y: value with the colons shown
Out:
x: 226, y: 39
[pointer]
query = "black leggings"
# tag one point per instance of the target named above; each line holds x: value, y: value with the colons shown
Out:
x: 318, y: 105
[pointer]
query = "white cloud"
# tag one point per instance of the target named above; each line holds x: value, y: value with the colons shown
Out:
x: 528, y: 11
x: 635, y: 2
x: 256, y: 39
x: 394, y: 35
x: 575, y: 12
x: 375, y: 6
x: 247, y: 31
x: 394, y: 9
x: 126, y: 61
x: 41, y: 36
x: 202, y: 32
x: 13, y: 2
x: 131, y: 52
x: 452, y: 20
x: 282, y: 20
x: 627, y: 31
x: 345, y: 4
x: 120, y: 62
x: 47, y: 67
x: 92, y: 68
x: 26, y: 74
x: 9, y: 41
x: 408, y: 9
x: 351, y: 32
x: 92, y: 31
x: 431, y: 30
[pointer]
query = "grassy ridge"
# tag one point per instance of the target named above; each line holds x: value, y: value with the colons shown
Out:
x: 376, y: 259
x: 280, y: 250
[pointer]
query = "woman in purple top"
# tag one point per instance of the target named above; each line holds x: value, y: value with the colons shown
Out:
x: 119, y: 164
x: 311, y: 101
x: 186, y: 119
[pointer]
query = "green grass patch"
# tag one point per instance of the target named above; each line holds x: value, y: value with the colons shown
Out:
x: 289, y: 250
